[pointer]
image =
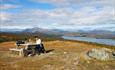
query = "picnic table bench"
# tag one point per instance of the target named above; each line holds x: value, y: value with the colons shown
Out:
x: 28, y: 48
x: 14, y: 50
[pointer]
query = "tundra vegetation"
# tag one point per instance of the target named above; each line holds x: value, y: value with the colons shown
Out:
x: 60, y: 55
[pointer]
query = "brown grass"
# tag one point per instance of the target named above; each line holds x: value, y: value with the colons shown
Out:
x: 67, y: 55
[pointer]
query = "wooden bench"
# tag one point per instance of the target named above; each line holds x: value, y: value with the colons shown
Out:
x: 14, y: 50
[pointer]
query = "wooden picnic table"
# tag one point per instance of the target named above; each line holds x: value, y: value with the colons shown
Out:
x: 20, y: 50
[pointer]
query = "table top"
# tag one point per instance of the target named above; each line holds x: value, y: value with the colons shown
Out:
x: 28, y: 44
x: 15, y: 49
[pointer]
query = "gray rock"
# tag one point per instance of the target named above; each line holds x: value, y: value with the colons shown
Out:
x: 100, y: 54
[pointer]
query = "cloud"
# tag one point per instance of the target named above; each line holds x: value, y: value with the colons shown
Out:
x: 69, y: 14
x: 4, y: 16
x: 8, y: 6
x: 61, y: 18
x: 77, y: 2
x: 87, y: 15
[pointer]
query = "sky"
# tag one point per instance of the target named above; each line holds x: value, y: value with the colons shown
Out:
x: 58, y: 14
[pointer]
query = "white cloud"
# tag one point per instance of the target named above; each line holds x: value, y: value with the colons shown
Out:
x: 83, y: 12
x: 8, y: 6
x: 85, y: 16
x: 60, y: 18
x: 64, y: 3
x: 4, y: 16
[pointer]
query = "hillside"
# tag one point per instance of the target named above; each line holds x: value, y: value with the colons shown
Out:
x: 42, y: 32
x: 14, y: 36
x: 61, y: 55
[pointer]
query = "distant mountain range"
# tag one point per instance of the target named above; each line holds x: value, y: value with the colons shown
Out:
x: 45, y: 31
x: 90, y: 33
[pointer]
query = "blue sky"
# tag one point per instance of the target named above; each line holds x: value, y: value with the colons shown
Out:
x: 58, y: 14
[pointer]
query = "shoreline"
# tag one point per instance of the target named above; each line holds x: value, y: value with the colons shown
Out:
x: 93, y: 43
x: 108, y: 42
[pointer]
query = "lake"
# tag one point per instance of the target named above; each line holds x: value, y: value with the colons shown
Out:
x: 95, y: 40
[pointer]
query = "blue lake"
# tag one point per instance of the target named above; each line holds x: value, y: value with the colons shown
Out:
x: 95, y: 40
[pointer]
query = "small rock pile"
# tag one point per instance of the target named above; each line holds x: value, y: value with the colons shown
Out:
x: 101, y: 54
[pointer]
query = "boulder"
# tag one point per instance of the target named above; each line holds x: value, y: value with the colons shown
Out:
x: 101, y: 54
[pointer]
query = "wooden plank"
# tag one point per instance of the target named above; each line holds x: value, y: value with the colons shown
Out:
x: 20, y: 51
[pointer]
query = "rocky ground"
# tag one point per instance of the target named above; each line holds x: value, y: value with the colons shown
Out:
x: 61, y: 55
